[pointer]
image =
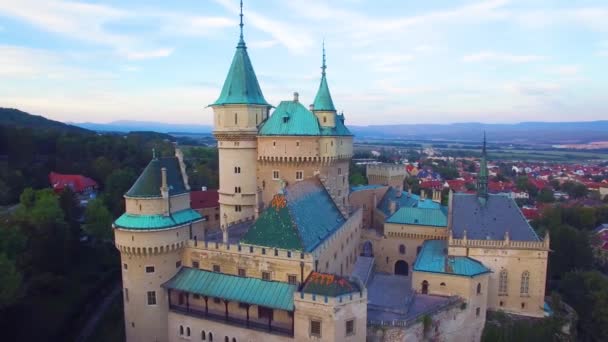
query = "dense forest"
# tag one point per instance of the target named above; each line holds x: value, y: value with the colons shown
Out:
x: 55, y: 262
x: 576, y: 274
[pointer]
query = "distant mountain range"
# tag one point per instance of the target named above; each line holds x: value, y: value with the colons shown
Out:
x: 15, y: 118
x: 524, y: 132
x: 128, y: 126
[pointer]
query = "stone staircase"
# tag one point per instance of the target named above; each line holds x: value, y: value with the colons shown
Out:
x: 363, y: 269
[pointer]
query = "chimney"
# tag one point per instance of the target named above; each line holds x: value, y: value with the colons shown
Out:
x: 164, y: 191
x: 399, y: 193
x: 296, y: 97
x: 311, y: 107
x: 203, y: 188
x: 422, y: 194
x: 437, y: 196
x: 392, y: 207
x: 409, y: 191
x: 163, y: 185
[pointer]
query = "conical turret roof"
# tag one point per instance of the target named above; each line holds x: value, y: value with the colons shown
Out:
x: 323, y: 99
x: 241, y: 85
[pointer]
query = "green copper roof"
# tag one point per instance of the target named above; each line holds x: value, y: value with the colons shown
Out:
x: 292, y: 118
x: 331, y: 285
x: 300, y: 219
x: 482, y: 178
x: 435, y: 217
x: 323, y: 101
x: 241, y: 85
x: 275, y: 228
x: 151, y: 222
x: 149, y: 182
x: 432, y: 258
x: 270, y: 294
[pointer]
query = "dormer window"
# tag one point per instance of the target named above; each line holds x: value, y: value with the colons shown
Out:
x: 324, y: 119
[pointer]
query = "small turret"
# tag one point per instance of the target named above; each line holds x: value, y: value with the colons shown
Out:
x: 482, y: 177
x: 323, y: 106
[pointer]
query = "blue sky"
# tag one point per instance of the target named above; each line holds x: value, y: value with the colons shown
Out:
x: 388, y: 61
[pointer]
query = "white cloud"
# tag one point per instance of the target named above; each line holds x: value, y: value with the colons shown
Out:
x: 189, y: 25
x: 566, y: 70
x: 90, y: 23
x: 135, y: 55
x: 295, y: 40
x: 385, y: 62
x: 28, y: 63
x: 262, y: 44
x: 531, y: 88
x: 486, y: 56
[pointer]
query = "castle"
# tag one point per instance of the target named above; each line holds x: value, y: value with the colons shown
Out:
x: 300, y: 255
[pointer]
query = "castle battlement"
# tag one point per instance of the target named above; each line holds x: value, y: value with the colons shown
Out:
x: 500, y: 244
x: 248, y: 251
x: 313, y: 298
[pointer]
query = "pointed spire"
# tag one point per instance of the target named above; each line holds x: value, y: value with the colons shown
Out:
x: 323, y: 66
x: 241, y: 40
x: 483, y: 152
x: 241, y: 85
x: 323, y: 101
x: 482, y: 177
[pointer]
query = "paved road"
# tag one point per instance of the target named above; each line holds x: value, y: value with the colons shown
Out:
x: 89, y: 327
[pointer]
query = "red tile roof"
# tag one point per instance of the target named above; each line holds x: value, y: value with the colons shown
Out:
x: 204, y: 199
x: 78, y: 183
x: 433, y: 184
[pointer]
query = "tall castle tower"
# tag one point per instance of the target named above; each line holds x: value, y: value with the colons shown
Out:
x: 150, y: 237
x: 237, y: 113
x: 297, y: 143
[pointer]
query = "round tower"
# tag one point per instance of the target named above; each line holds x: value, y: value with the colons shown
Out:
x: 151, y: 236
x: 237, y: 113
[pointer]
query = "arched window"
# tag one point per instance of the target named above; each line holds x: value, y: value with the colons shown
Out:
x: 234, y: 339
x: 418, y: 249
x: 401, y: 249
x: 525, y: 283
x: 478, y: 288
x: 502, y: 282
x: 236, y: 118
x: 188, y: 331
x: 226, y: 339
x: 181, y: 330
x: 203, y: 335
x: 211, y: 336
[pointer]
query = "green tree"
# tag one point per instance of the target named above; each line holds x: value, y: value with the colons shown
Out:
x: 571, y: 251
x: 117, y: 184
x: 98, y: 220
x: 41, y: 220
x: 545, y: 196
x: 587, y: 293
x: 10, y: 281
x: 68, y: 201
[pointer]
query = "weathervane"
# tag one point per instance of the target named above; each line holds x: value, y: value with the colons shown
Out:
x: 324, y: 66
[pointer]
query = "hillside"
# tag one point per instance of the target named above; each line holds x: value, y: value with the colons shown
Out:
x: 129, y: 126
x: 11, y: 117
x: 523, y: 132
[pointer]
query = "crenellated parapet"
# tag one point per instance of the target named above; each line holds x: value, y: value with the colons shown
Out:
x: 499, y: 244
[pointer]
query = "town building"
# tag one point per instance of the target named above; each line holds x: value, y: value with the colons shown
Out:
x: 302, y: 255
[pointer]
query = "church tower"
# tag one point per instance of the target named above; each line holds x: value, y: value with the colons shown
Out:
x: 482, y: 177
x: 237, y: 112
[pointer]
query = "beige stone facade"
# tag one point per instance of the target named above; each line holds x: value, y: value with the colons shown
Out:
x: 235, y: 128
x: 386, y: 174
